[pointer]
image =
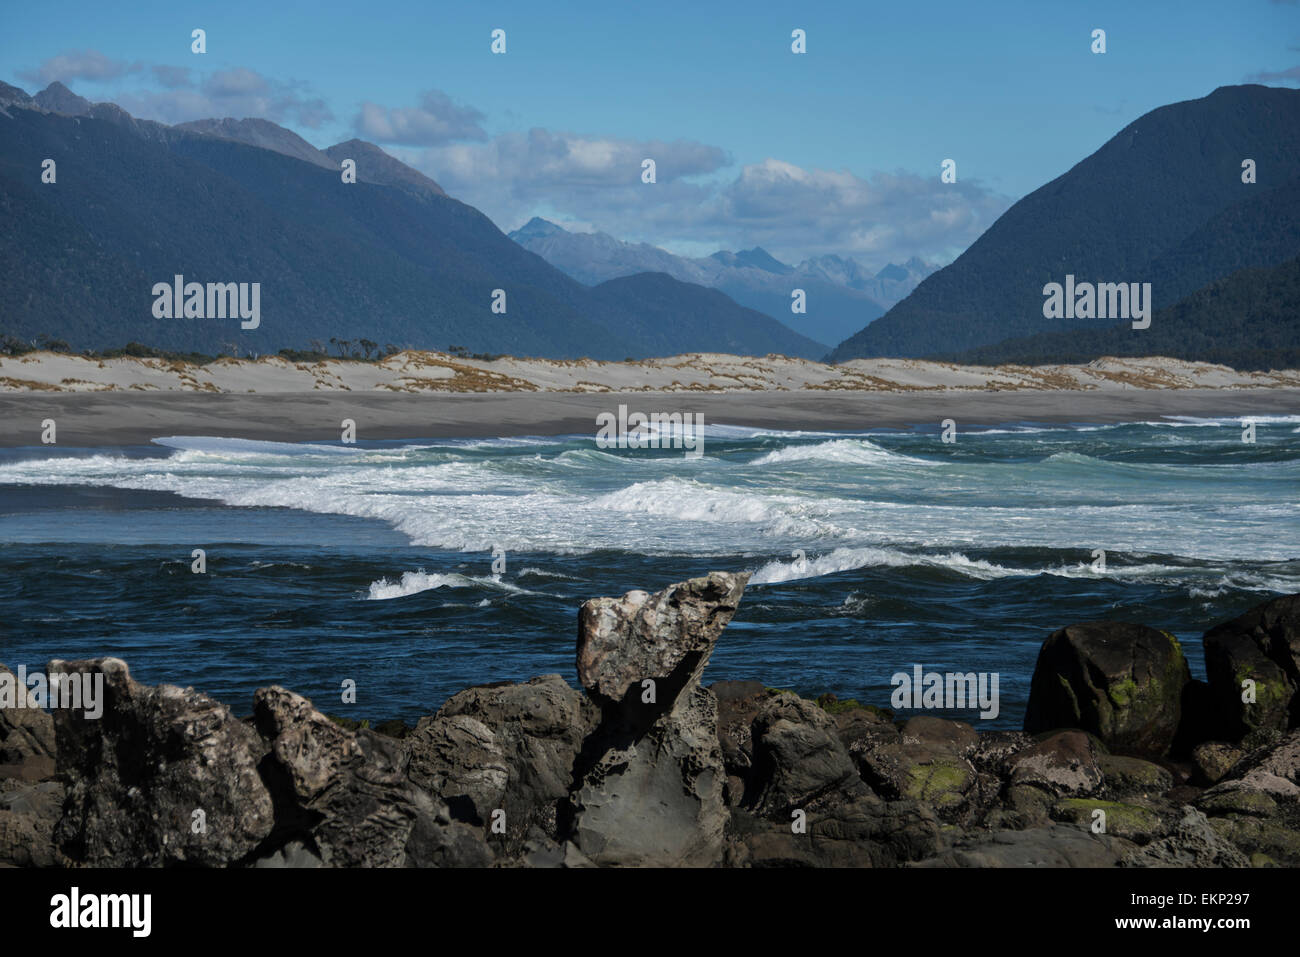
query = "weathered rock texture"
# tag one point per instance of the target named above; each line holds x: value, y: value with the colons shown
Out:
x: 650, y: 779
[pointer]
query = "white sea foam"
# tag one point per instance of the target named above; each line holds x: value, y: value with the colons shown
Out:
x: 858, y: 496
x: 840, y: 452
x: 412, y: 583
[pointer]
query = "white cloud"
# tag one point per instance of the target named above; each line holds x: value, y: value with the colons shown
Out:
x: 237, y: 93
x: 792, y: 211
x: 436, y: 120
x: 79, y: 65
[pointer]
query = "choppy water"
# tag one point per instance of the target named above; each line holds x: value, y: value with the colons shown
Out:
x: 374, y: 562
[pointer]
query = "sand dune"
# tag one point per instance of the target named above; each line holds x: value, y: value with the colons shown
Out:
x: 435, y: 372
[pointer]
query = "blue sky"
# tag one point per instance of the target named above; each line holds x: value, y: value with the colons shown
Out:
x: 837, y: 150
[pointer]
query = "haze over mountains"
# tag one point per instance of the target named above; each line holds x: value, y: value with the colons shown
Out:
x: 1162, y: 202
x: 391, y: 258
x: 841, y: 294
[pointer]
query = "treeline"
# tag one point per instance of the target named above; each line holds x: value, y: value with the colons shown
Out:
x: 1249, y: 321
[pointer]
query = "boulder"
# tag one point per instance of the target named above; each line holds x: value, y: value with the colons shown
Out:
x: 27, y: 745
x: 346, y: 797
x: 139, y: 775
x: 1192, y: 843
x: 1128, y: 777
x: 1132, y: 822
x: 927, y: 762
x: 458, y: 758
x: 509, y: 747
x: 28, y: 815
x: 1214, y: 759
x: 1064, y: 764
x: 1122, y: 682
x: 650, y: 778
x: 1262, y: 646
x: 798, y: 757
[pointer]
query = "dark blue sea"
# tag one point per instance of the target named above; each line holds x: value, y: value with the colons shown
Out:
x: 871, y: 552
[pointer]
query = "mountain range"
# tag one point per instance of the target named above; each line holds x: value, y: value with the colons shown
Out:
x: 841, y: 295
x: 390, y: 258
x: 395, y: 260
x: 1164, y: 201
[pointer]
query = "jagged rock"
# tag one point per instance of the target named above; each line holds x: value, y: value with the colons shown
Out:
x: 1055, y: 845
x: 927, y: 762
x: 1263, y: 645
x: 137, y: 775
x: 1273, y: 770
x: 27, y: 746
x: 651, y: 774
x: 655, y: 798
x: 458, y: 758
x: 28, y: 814
x: 1122, y: 682
x: 541, y: 851
x: 506, y: 746
x: 1063, y: 764
x: 665, y: 638
x: 738, y: 706
x: 1214, y: 759
x: 1193, y: 843
x: 348, y: 792
x: 1256, y: 805
x: 798, y: 757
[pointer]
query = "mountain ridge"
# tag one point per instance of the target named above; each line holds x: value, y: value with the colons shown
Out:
x: 1119, y: 215
x: 396, y: 264
x: 841, y: 294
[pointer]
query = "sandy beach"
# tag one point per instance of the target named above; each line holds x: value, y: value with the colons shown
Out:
x: 115, y: 419
x: 128, y: 401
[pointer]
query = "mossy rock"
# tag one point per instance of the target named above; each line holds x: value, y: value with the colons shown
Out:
x: 1257, y: 647
x: 1029, y: 803
x: 1130, y: 821
x: 1254, y: 835
x: 832, y: 704
x: 1122, y: 682
x: 1124, y: 775
x: 1214, y: 759
x: 1237, y: 801
x: 941, y: 781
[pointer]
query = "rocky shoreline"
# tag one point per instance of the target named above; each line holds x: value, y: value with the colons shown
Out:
x: 1124, y: 761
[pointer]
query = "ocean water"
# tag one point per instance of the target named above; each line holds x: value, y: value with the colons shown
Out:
x: 871, y: 552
